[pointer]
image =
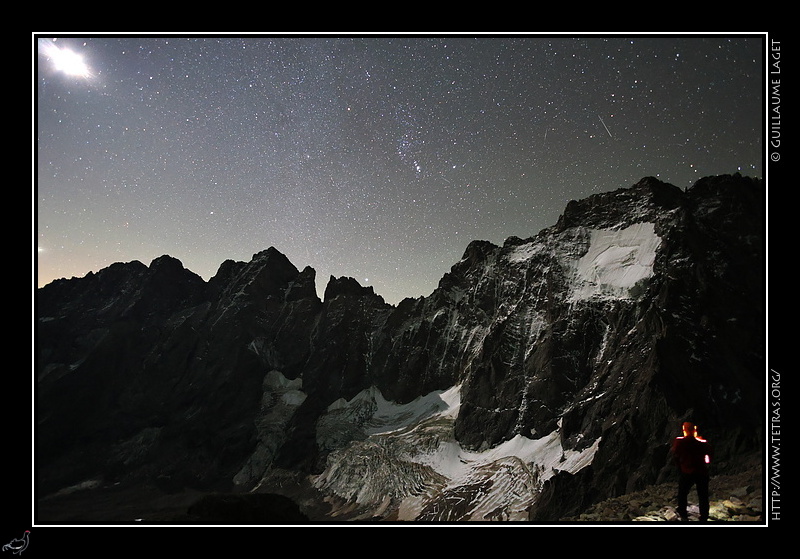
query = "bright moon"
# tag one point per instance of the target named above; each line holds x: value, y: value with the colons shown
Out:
x: 67, y: 61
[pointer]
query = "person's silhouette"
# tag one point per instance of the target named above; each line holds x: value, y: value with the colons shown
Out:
x: 692, y: 456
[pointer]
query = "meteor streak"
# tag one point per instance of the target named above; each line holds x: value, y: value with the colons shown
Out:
x: 604, y: 125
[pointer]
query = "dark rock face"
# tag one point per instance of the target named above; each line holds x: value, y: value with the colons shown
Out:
x: 150, y: 373
x: 256, y: 508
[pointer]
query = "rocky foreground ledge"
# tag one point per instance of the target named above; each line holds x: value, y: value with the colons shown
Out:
x: 733, y: 498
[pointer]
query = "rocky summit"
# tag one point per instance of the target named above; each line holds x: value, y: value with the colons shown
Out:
x: 539, y: 380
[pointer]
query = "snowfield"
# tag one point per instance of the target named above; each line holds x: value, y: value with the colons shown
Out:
x: 616, y: 262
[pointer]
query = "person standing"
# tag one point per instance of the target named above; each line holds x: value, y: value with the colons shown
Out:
x: 692, y: 455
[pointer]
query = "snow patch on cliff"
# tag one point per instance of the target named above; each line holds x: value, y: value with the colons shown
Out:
x: 617, y: 263
x: 524, y: 252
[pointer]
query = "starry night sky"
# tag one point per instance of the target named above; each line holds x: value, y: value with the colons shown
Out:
x: 375, y: 157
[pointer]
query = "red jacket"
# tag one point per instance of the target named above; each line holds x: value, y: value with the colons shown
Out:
x: 692, y: 455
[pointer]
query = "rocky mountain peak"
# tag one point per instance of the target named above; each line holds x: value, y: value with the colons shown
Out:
x: 346, y: 286
x: 303, y: 286
x: 648, y: 199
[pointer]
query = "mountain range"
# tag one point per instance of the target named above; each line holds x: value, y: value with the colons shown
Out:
x: 539, y: 378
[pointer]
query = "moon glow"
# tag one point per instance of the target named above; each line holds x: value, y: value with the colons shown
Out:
x: 66, y: 61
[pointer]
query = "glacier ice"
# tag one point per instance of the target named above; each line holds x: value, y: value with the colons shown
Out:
x: 413, y: 444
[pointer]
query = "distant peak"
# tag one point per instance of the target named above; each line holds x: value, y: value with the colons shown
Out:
x: 166, y: 262
x: 347, y: 286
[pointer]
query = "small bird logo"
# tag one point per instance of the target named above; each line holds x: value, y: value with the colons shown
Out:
x: 17, y: 546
